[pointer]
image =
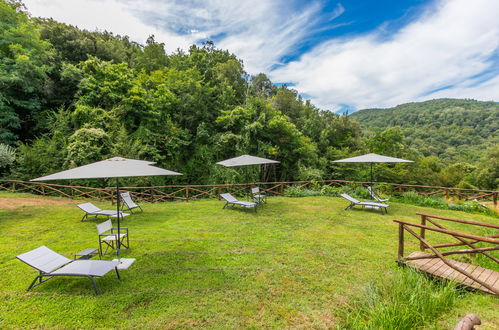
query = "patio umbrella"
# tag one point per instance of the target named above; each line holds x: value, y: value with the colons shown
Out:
x: 246, y: 160
x: 115, y: 167
x: 373, y: 158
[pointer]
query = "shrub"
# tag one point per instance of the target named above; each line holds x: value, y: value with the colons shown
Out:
x: 407, y: 300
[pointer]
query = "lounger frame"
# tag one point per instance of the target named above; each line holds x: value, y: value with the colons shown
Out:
x: 59, y: 262
x: 354, y: 202
x: 231, y: 201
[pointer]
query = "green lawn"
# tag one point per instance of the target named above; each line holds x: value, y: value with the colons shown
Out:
x: 298, y: 262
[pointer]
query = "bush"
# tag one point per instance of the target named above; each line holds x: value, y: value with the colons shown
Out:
x: 437, y: 202
x: 7, y: 155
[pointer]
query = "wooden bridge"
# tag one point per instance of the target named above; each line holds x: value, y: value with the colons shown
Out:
x: 436, y: 263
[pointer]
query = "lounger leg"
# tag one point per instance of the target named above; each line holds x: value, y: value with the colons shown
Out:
x: 117, y: 273
x: 34, y: 281
x: 94, y: 285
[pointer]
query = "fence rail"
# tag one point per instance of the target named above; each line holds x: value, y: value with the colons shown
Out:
x: 193, y: 192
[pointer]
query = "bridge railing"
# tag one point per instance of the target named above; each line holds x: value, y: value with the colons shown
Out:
x: 432, y: 224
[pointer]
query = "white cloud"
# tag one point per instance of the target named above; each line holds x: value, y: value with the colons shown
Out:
x: 111, y: 15
x: 447, y: 46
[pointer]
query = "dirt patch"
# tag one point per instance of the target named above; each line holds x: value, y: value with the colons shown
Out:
x: 10, y: 203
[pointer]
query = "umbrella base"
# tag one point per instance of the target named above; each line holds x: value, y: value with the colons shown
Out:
x: 124, y: 263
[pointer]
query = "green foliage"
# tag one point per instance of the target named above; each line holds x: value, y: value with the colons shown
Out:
x: 66, y: 91
x: 24, y: 63
x: 406, y: 300
x: 438, y: 202
x: 7, y: 155
x: 453, y: 130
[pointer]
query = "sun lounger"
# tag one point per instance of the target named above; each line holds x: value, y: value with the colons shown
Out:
x: 92, y: 212
x: 232, y: 201
x: 108, y: 235
x: 258, y: 196
x: 128, y: 204
x: 51, y: 264
x: 376, y: 197
x: 368, y: 204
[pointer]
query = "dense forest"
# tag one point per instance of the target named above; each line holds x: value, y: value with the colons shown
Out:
x: 453, y: 130
x: 69, y: 97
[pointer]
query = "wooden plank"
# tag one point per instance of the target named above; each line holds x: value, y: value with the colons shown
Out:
x: 436, y: 267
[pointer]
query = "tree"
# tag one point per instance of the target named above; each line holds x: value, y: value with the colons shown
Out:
x: 24, y: 63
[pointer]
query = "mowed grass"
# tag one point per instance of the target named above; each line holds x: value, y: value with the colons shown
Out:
x: 298, y: 262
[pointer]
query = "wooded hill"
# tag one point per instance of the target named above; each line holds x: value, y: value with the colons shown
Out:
x: 69, y: 97
x: 453, y: 130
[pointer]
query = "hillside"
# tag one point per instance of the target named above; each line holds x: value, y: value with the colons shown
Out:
x: 452, y: 129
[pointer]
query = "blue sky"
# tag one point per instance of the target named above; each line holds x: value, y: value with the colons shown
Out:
x: 340, y: 54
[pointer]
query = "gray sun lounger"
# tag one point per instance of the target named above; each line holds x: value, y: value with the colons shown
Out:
x: 376, y: 197
x: 232, y: 201
x: 128, y: 204
x: 353, y: 202
x: 51, y: 264
x: 92, y: 212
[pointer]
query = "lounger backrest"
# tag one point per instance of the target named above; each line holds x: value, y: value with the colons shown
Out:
x: 255, y: 190
x: 128, y: 199
x: 43, y: 259
x: 228, y: 197
x: 104, y: 227
x: 89, y: 207
x: 350, y: 198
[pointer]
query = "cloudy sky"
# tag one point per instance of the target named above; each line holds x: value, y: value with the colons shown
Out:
x: 347, y: 54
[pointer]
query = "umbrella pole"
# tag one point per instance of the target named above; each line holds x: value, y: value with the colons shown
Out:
x: 118, y: 215
x: 371, y: 176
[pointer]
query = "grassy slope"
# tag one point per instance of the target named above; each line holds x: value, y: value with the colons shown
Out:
x: 293, y: 264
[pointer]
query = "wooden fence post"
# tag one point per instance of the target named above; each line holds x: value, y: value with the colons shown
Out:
x: 187, y: 194
x: 422, y: 247
x: 401, y: 243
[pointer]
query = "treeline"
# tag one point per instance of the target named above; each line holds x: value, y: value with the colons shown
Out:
x: 69, y: 97
x: 457, y: 139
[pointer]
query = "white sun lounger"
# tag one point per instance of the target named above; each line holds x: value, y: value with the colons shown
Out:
x: 232, y: 201
x: 376, y: 197
x: 51, y: 264
x: 369, y: 204
x: 128, y: 202
x: 92, y: 212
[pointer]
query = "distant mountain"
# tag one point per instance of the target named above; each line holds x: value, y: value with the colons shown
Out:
x: 453, y: 129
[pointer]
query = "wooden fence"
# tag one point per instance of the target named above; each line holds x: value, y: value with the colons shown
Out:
x: 193, y: 192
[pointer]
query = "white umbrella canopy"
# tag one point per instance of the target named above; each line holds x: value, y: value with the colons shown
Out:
x: 116, y: 167
x: 373, y: 158
x: 246, y: 160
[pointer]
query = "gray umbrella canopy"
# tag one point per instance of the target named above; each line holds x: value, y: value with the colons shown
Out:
x: 373, y: 158
x: 246, y: 160
x: 115, y: 167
